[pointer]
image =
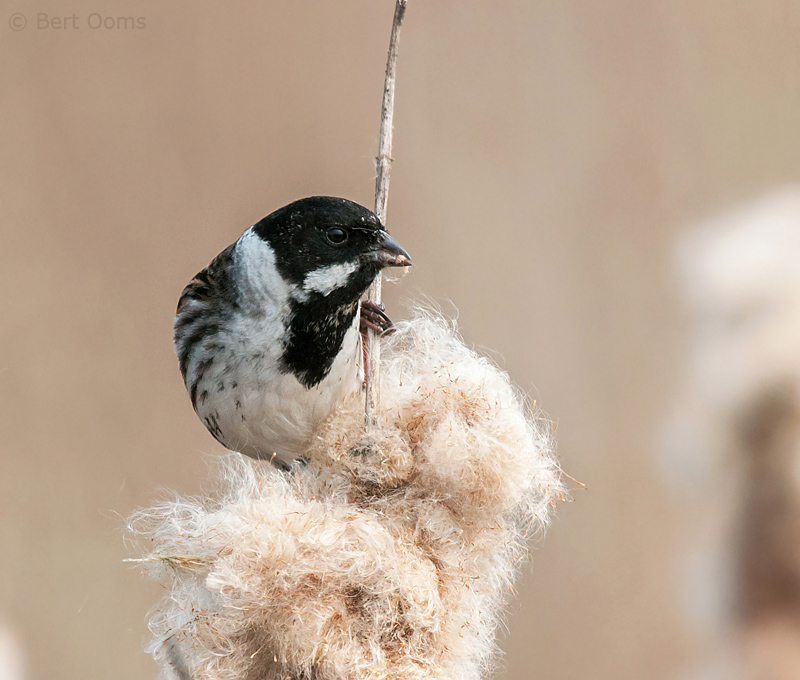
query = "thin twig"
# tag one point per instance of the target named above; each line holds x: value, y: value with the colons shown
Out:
x: 383, y: 167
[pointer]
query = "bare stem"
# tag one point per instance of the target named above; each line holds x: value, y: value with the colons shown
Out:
x: 383, y: 168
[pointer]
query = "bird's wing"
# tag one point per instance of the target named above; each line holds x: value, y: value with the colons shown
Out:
x: 202, y: 306
x: 210, y: 284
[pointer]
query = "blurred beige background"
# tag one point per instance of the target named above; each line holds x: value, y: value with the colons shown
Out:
x: 547, y: 154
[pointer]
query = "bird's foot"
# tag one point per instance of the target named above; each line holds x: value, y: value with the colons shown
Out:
x: 374, y: 317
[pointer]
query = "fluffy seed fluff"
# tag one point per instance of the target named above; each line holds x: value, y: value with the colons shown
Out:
x: 731, y: 448
x: 390, y: 555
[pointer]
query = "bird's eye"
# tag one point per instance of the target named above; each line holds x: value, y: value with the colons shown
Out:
x: 336, y: 236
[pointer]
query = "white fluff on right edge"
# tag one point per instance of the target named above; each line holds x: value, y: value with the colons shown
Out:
x: 731, y: 445
x: 390, y: 555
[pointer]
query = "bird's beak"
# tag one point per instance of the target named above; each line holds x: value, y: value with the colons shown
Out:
x: 389, y: 253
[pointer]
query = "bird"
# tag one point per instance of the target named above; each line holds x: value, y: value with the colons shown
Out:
x: 269, y: 335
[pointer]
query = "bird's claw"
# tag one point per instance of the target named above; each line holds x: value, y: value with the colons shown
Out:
x: 374, y: 317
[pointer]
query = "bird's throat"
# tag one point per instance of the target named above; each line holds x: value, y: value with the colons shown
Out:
x: 316, y: 335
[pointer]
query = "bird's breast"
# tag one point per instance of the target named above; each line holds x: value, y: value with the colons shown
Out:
x: 252, y: 403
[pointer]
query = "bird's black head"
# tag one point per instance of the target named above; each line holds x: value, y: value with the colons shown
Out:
x: 330, y: 250
x: 330, y: 246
